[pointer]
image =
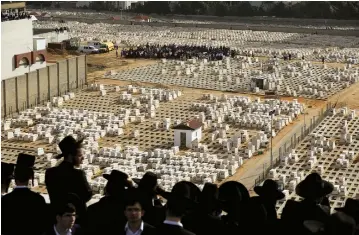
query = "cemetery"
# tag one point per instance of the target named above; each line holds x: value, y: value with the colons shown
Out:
x: 293, y: 78
x: 259, y: 58
x: 200, y: 136
x: 133, y: 129
x: 331, y: 150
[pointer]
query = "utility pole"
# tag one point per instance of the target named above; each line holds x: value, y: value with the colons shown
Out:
x: 271, y: 113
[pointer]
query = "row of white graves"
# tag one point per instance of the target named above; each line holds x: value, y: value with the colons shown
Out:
x: 141, y: 35
x: 317, y: 155
x: 55, y: 122
x: 244, y: 112
x: 170, y: 168
x: 305, y: 78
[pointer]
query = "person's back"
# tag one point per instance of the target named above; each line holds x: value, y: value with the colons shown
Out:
x: 65, y: 179
x: 168, y: 229
x: 23, y: 212
x: 105, y: 215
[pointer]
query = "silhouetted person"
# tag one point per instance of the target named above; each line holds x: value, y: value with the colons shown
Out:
x: 65, y: 178
x: 312, y: 189
x: 207, y: 220
x: 269, y: 193
x: 149, y: 191
x: 234, y: 196
x: 7, y: 174
x: 23, y: 211
x: 178, y: 204
x: 351, y: 208
x: 106, y: 215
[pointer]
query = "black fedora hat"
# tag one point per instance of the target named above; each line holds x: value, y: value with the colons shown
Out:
x: 118, y: 177
x: 69, y: 146
x: 149, y: 180
x: 25, y: 160
x: 181, y: 194
x: 313, y: 186
x: 232, y: 194
x: 350, y: 208
x: 269, y: 188
x: 209, y: 198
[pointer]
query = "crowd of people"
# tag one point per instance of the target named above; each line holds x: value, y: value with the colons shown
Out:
x: 14, y: 16
x: 136, y: 206
x: 61, y: 29
x: 178, y: 52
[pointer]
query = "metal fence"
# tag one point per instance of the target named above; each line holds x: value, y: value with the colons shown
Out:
x: 294, y: 141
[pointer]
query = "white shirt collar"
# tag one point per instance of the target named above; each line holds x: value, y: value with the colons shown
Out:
x: 141, y: 227
x: 69, y: 232
x: 173, y: 223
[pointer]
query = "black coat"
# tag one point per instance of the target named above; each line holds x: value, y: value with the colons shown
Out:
x: 147, y: 230
x: 295, y: 213
x: 167, y: 229
x: 203, y: 224
x: 64, y: 179
x: 106, y: 216
x: 75, y: 230
x: 23, y: 212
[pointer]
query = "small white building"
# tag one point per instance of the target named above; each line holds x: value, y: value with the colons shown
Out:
x: 186, y: 133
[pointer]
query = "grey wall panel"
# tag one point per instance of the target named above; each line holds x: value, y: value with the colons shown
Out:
x: 22, y: 92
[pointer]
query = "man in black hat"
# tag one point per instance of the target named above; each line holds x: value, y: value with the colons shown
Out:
x: 23, y: 211
x: 206, y: 217
x: 313, y: 188
x: 178, y: 204
x: 65, y: 178
x: 269, y: 193
x: 149, y: 191
x: 7, y: 174
x: 105, y: 216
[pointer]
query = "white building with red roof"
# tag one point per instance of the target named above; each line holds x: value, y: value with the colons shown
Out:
x: 187, y: 132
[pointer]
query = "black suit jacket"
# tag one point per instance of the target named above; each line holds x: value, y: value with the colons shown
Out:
x: 147, y: 230
x: 201, y: 223
x: 167, y: 229
x: 295, y: 213
x: 106, y: 216
x: 76, y: 230
x: 23, y: 212
x: 65, y: 179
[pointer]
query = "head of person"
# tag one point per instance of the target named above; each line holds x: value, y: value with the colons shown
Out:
x: 117, y: 182
x: 71, y: 150
x: 66, y: 216
x: 180, y: 200
x: 22, y: 175
x: 134, y: 210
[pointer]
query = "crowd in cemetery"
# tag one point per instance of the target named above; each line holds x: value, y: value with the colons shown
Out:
x: 136, y: 206
x: 173, y: 51
x: 14, y: 16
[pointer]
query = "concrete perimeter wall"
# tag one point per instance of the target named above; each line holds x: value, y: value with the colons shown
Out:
x: 37, y: 87
x: 220, y: 25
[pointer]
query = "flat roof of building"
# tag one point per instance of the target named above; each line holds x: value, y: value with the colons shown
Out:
x: 12, y: 5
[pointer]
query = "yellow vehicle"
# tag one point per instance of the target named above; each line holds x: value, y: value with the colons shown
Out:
x: 109, y: 45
